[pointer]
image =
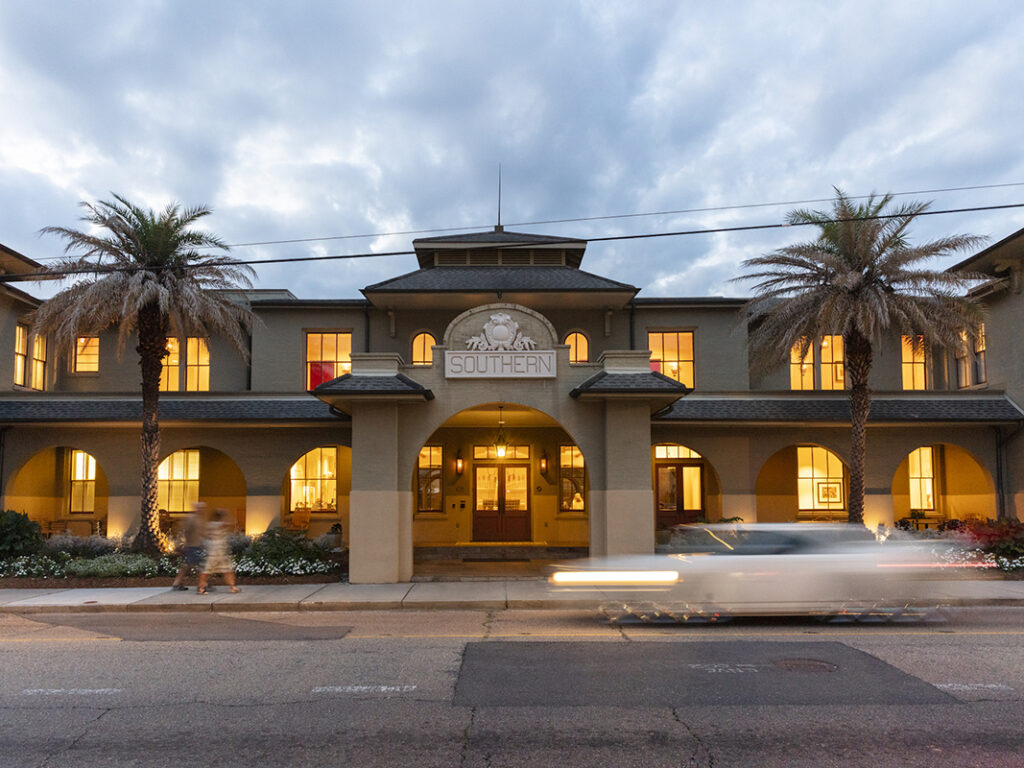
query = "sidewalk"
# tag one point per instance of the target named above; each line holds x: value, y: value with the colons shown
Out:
x: 497, y: 595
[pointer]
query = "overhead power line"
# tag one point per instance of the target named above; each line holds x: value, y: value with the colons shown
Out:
x: 32, y: 276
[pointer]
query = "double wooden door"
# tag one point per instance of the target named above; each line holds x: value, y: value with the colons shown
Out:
x: 678, y: 492
x: 501, y: 502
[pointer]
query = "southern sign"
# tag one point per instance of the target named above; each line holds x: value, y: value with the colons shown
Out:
x: 501, y: 351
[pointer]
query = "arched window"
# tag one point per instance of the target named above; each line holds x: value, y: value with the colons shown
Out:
x: 314, y: 481
x: 821, y: 479
x: 678, y: 485
x: 579, y: 348
x: 422, y: 349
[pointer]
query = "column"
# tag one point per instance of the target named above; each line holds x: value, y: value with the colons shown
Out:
x: 625, y: 508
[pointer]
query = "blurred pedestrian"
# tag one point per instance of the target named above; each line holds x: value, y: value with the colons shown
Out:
x: 192, y: 557
x: 218, y: 556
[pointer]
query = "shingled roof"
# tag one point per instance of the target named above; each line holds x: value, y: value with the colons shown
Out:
x: 803, y: 409
x: 488, y: 279
x: 651, y: 382
x: 396, y: 384
x: 70, y: 408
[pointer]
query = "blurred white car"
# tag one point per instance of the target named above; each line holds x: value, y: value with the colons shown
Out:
x: 764, y: 569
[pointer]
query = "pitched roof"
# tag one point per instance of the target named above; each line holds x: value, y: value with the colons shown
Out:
x: 804, y: 408
x: 462, y: 279
x: 394, y: 384
x: 650, y: 382
x: 42, y: 408
x: 499, y: 237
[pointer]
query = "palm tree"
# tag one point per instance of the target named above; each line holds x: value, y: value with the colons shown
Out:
x: 152, y: 275
x: 863, y: 279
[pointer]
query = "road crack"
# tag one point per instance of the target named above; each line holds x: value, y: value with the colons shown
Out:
x: 85, y: 730
x: 702, y: 755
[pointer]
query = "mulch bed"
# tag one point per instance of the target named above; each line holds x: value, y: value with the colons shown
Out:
x: 159, y: 581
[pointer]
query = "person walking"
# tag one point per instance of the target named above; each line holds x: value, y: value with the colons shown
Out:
x: 218, y: 557
x: 192, y: 557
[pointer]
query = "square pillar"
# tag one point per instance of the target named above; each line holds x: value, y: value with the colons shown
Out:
x: 380, y: 505
x: 625, y: 508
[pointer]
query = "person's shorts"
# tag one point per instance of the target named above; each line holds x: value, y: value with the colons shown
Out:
x: 193, y: 556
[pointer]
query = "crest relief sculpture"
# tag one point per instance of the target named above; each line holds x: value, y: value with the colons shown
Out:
x: 500, y: 351
x: 501, y: 333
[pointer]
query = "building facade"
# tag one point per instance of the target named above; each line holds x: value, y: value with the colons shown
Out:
x: 499, y: 394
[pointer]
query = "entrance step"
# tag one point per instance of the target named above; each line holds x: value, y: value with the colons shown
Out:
x: 498, y: 552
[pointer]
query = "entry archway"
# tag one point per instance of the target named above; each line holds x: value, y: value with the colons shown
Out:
x: 64, y: 489
x: 199, y: 473
x: 939, y: 482
x: 500, y: 473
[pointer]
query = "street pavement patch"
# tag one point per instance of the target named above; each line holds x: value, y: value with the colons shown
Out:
x: 180, y: 627
x: 727, y: 672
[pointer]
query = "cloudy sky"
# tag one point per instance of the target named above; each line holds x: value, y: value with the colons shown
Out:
x: 331, y: 120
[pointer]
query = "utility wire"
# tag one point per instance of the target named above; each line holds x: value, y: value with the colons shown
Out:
x: 48, y: 274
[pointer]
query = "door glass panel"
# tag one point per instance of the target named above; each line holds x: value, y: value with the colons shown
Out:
x: 667, y: 489
x: 691, y: 488
x: 515, y: 489
x: 487, y: 488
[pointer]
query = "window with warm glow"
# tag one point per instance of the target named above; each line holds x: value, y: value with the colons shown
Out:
x: 328, y: 356
x: 197, y: 365
x: 170, y: 373
x: 970, y: 360
x: 821, y: 479
x: 82, y: 490
x: 20, y: 354
x: 921, y: 469
x: 39, y: 362
x: 429, y: 479
x: 913, y: 362
x: 833, y: 373
x: 801, y: 367
x: 87, y: 354
x: 579, y: 348
x: 679, y: 487
x: 672, y: 354
x: 423, y: 349
x: 178, y: 481
x: 314, y: 481
x: 572, y: 491
x: 675, y: 452
x: 511, y: 452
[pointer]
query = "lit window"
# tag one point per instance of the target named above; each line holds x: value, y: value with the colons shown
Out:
x: 801, y: 368
x: 833, y: 374
x: 922, y: 479
x: 20, y: 353
x: 170, y: 373
x: 579, y: 348
x: 511, y: 452
x: 428, y: 479
x: 87, y: 354
x: 197, y: 365
x: 328, y: 355
x: 913, y: 362
x: 675, y: 452
x: 821, y: 479
x: 82, y: 491
x: 571, y: 479
x: 672, y: 354
x: 980, y: 369
x: 971, y: 368
x: 178, y: 481
x: 39, y: 362
x: 423, y: 349
x: 314, y: 481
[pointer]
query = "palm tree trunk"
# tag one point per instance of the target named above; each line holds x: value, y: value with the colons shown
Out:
x: 152, y: 348
x: 858, y: 366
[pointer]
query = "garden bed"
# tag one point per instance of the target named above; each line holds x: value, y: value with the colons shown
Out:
x: 20, y: 582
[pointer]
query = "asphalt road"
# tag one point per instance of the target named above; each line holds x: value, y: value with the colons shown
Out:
x: 507, y: 688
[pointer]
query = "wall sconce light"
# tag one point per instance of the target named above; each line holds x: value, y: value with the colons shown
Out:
x: 458, y: 462
x: 500, y: 444
x: 544, y: 462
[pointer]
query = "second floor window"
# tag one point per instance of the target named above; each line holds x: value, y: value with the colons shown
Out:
x: 832, y: 369
x: 672, y: 354
x: 39, y: 362
x: 328, y: 356
x: 423, y: 349
x: 196, y: 365
x: 970, y: 360
x: 87, y: 354
x: 913, y: 362
x: 20, y: 354
x: 579, y: 348
x: 801, y: 367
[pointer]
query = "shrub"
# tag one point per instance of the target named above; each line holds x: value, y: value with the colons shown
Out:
x: 278, y: 545
x: 75, y: 546
x: 1002, y: 538
x: 118, y: 564
x: 18, y: 535
x: 238, y: 543
x: 34, y: 566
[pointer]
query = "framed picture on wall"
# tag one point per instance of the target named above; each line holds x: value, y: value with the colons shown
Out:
x: 830, y: 492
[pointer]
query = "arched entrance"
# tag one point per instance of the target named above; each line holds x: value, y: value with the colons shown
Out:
x: 64, y: 489
x: 199, y: 473
x: 940, y: 482
x: 500, y: 481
